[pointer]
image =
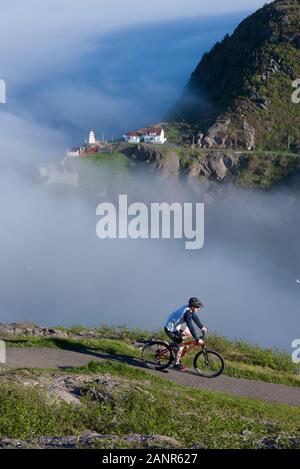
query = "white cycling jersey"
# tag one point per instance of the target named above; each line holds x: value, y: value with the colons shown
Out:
x: 176, y: 320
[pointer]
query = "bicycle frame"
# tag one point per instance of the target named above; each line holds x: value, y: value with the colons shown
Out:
x: 187, y: 348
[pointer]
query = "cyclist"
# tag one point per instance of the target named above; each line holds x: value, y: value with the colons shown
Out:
x: 179, y: 326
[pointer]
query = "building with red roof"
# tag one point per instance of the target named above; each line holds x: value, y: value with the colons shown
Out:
x: 147, y: 135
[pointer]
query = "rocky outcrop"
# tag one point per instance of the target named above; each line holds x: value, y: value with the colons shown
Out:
x: 220, y: 135
x: 273, y: 440
x: 215, y: 166
x: 91, y: 440
x: 29, y: 329
x: 158, y: 157
x: 13, y: 330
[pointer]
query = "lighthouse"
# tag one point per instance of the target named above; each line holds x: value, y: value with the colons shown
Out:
x: 92, y: 139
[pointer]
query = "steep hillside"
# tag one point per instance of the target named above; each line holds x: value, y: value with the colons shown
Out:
x: 256, y: 169
x: 239, y: 96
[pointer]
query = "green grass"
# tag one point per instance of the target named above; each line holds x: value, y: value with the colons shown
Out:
x: 103, y: 170
x: 27, y: 413
x: 144, y: 404
x: 264, y: 169
x: 258, y: 373
x: 193, y: 416
x: 115, y: 369
x: 114, y: 159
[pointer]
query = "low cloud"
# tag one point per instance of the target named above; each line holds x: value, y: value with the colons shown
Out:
x: 25, y: 143
x: 38, y: 38
x: 54, y: 269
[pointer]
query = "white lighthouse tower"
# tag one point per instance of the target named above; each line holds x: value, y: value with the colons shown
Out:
x: 92, y: 138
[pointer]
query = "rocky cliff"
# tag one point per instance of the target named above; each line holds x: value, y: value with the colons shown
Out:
x: 239, y: 96
x: 247, y: 168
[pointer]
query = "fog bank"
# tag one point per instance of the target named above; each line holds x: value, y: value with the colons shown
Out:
x: 55, y: 270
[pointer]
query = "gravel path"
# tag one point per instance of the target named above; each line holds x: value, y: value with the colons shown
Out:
x: 61, y: 358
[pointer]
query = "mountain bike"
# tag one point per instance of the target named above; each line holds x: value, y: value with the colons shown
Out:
x: 159, y: 355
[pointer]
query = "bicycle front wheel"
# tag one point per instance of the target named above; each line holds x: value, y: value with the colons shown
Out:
x: 209, y: 364
x: 157, y: 355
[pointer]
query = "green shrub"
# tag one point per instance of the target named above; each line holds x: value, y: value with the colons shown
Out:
x: 26, y: 413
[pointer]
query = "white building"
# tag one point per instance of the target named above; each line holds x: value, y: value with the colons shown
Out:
x: 147, y: 135
x: 91, y: 142
x: 155, y: 135
x: 133, y: 137
x: 92, y: 138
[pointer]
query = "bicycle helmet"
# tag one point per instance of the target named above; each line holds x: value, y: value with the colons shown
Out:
x: 195, y: 303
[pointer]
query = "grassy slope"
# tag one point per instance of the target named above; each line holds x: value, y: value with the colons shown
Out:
x: 264, y: 169
x: 145, y: 404
x: 242, y: 360
x: 101, y: 170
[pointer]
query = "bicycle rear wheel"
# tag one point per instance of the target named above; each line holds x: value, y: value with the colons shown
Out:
x: 157, y: 355
x: 209, y: 364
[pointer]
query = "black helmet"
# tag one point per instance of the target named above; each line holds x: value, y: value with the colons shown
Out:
x: 195, y: 302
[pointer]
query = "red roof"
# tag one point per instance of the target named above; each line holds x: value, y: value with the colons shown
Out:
x: 133, y: 134
x: 147, y: 131
x: 92, y: 150
x: 153, y: 131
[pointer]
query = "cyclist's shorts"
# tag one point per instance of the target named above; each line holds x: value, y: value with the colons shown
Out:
x: 174, y: 336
